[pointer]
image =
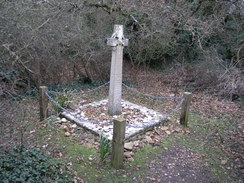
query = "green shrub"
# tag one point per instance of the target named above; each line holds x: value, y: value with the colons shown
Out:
x: 62, y: 101
x: 31, y: 165
x: 105, y: 147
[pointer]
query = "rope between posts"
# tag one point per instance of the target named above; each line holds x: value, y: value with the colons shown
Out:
x: 103, y: 85
x: 148, y: 95
x: 75, y: 116
x: 163, y: 119
x: 109, y: 123
x: 78, y: 93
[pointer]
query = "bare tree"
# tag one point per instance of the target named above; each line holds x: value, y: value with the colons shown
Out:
x: 55, y: 41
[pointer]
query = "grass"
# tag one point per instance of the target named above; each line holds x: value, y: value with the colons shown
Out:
x: 207, y: 139
x: 203, y: 140
x: 86, y: 161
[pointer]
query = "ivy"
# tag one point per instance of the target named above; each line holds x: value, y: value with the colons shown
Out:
x: 31, y: 165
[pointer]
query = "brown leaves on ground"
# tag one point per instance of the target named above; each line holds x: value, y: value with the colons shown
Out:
x: 160, y: 84
x: 178, y: 164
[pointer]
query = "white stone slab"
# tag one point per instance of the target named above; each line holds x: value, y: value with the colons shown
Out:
x: 141, y: 121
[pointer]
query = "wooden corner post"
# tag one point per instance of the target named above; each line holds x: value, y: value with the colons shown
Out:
x: 118, y: 143
x: 43, y: 102
x: 185, y: 109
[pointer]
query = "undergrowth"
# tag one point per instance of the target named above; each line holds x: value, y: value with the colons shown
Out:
x: 31, y: 165
x: 62, y: 100
x: 105, y: 147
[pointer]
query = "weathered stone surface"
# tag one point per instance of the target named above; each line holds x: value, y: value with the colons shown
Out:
x: 115, y: 87
x: 138, y: 116
x: 129, y: 145
x: 164, y: 128
x: 141, y: 145
x: 149, y: 139
x: 131, y: 159
x: 67, y: 134
x: 136, y: 143
x: 74, y: 126
x: 127, y: 154
x: 64, y: 127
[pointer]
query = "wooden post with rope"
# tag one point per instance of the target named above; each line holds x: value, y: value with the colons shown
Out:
x: 118, y: 143
x: 43, y: 102
x: 184, y: 117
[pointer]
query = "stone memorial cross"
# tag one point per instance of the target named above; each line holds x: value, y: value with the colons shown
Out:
x: 117, y: 42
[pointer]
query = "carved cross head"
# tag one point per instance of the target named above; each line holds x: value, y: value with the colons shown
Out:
x: 117, y: 37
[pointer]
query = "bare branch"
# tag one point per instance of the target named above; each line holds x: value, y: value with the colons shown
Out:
x: 17, y: 58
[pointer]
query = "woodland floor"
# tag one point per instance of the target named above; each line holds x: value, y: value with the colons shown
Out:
x: 209, y: 150
x: 178, y: 164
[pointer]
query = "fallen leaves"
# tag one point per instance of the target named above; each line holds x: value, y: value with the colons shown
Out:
x: 80, y: 158
x: 78, y: 180
x: 223, y: 162
x: 67, y: 134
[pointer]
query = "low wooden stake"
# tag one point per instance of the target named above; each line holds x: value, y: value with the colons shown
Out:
x: 185, y: 109
x: 43, y: 102
x: 118, y: 143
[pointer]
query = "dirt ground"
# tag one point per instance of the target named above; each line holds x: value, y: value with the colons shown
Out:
x: 178, y: 164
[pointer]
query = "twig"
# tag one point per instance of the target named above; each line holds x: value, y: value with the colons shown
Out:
x: 110, y: 9
x: 42, y: 24
x: 17, y: 58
